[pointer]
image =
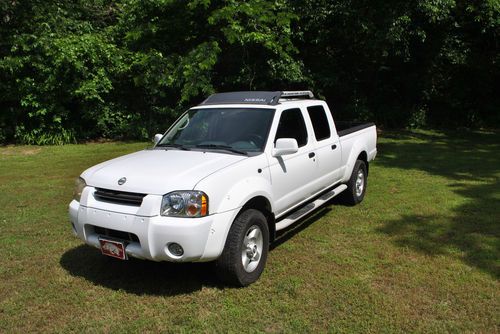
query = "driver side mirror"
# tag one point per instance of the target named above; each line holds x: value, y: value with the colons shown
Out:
x: 285, y: 146
x: 157, y: 138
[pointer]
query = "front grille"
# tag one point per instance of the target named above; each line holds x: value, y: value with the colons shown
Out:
x: 115, y: 234
x: 118, y: 197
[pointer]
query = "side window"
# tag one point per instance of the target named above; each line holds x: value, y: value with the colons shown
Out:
x: 292, y: 125
x: 319, y: 122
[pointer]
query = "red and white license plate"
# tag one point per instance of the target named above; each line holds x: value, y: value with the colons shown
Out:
x: 113, y: 248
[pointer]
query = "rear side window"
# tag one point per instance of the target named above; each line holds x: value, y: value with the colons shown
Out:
x: 319, y: 122
x: 292, y: 125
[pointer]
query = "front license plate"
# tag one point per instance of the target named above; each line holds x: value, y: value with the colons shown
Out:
x: 113, y: 248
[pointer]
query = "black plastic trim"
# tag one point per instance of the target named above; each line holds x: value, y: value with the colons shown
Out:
x: 256, y: 97
x: 250, y: 97
x: 353, y: 127
x: 115, y: 234
x: 118, y: 197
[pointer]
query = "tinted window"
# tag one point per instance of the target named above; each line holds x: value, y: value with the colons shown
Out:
x: 292, y: 125
x: 319, y: 122
x: 244, y: 129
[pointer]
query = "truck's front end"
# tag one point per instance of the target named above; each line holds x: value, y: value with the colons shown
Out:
x: 125, y: 222
x: 147, y: 205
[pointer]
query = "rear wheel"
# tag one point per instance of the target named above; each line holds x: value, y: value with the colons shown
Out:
x: 356, y: 186
x: 245, y: 253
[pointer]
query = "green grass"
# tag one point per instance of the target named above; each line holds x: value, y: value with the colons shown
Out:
x: 420, y: 254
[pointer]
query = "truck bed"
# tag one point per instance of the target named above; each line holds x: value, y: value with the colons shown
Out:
x: 345, y: 127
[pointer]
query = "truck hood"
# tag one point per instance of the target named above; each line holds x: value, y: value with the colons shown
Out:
x: 158, y: 171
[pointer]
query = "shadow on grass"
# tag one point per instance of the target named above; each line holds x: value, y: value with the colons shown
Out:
x: 288, y: 233
x: 143, y: 277
x: 138, y: 276
x: 471, y: 163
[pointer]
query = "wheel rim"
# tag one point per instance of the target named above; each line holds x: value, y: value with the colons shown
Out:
x: 251, y: 251
x: 360, y: 183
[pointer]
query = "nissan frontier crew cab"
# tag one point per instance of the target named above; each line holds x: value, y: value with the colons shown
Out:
x: 219, y: 184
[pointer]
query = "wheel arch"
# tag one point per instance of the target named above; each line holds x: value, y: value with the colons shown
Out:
x: 358, y: 152
x: 262, y: 204
x: 363, y: 156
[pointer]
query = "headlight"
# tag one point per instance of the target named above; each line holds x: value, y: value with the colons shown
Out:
x: 79, y: 185
x: 185, y: 204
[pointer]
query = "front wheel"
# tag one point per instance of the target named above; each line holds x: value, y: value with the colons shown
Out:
x: 245, y: 253
x: 356, y: 186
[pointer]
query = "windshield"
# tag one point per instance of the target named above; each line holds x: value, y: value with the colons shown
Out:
x: 236, y: 129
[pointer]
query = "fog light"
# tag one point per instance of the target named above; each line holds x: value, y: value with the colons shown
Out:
x: 175, y: 249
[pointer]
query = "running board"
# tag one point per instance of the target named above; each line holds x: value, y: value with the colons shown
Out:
x: 295, y: 216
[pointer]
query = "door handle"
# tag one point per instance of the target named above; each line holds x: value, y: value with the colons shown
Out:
x: 311, y: 155
x: 334, y: 146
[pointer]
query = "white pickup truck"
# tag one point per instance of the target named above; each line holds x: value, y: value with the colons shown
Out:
x: 221, y: 182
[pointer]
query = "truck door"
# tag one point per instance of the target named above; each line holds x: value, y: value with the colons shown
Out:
x: 293, y: 176
x: 328, y: 150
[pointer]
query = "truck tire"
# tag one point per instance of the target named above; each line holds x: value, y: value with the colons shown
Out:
x: 245, y: 252
x: 356, y: 186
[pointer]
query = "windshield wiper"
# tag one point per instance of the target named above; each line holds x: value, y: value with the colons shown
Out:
x: 178, y: 146
x: 222, y: 147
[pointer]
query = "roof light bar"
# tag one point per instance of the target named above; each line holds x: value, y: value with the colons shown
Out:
x: 297, y: 93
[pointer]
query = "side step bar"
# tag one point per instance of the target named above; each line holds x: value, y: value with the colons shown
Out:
x: 295, y: 216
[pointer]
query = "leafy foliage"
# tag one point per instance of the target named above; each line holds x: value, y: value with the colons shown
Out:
x: 74, y: 70
x: 405, y: 63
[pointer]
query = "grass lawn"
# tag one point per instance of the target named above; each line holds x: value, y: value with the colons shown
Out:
x: 420, y: 254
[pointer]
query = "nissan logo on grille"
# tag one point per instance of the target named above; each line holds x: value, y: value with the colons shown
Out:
x: 122, y: 181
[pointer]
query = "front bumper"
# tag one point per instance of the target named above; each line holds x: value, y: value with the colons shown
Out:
x: 201, y: 238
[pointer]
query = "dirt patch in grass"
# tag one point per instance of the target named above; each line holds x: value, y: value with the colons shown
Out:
x: 12, y: 150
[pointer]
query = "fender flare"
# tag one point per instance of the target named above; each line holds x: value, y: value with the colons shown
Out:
x: 356, y: 151
x: 233, y: 202
x: 244, y: 191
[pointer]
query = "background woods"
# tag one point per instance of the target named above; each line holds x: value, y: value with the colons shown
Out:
x: 76, y: 70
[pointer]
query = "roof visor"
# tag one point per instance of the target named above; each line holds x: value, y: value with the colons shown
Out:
x: 256, y: 97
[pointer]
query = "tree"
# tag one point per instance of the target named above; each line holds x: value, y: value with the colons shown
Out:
x: 73, y: 70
